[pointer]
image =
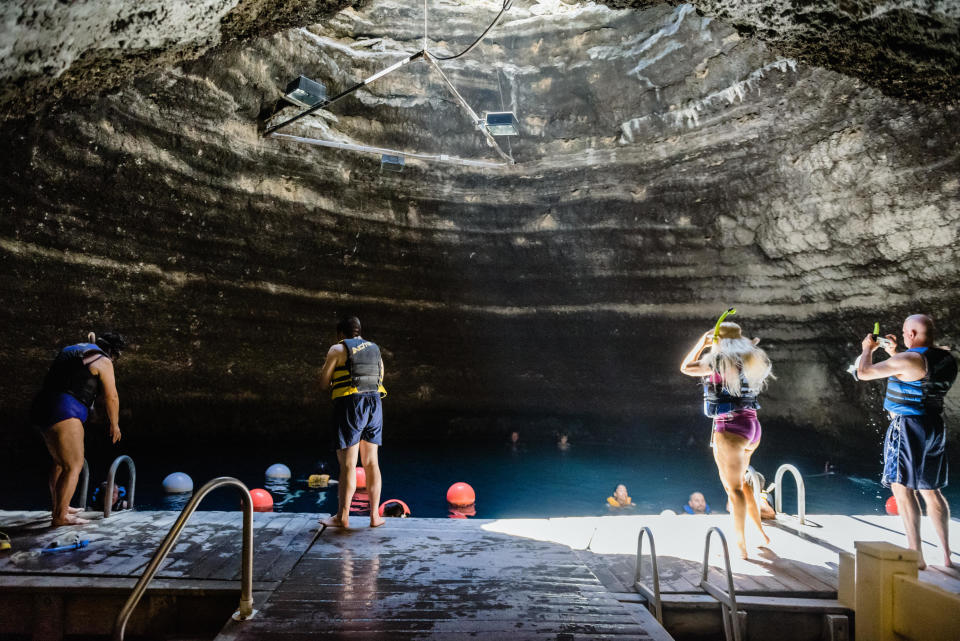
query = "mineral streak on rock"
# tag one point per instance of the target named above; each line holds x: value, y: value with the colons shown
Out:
x: 668, y: 167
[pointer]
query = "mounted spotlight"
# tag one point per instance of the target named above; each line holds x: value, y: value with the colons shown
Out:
x: 304, y: 92
x: 501, y: 123
x: 391, y: 163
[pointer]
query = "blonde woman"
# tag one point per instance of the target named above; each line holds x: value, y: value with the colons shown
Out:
x: 734, y: 372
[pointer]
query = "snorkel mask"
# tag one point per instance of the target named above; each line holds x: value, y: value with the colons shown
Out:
x: 716, y: 328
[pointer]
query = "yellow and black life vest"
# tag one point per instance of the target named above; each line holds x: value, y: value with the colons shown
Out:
x: 361, y: 373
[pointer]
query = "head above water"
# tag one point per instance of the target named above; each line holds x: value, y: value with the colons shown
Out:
x: 620, y: 492
x: 112, y: 343
x: 697, y: 502
x: 349, y: 327
x: 918, y: 331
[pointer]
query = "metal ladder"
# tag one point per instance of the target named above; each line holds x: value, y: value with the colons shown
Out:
x: 801, y: 492
x: 728, y: 600
x: 111, y: 482
x: 84, y: 485
x: 245, y: 609
x: 652, y: 596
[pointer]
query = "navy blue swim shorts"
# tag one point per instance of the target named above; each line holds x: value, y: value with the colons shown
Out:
x: 358, y: 417
x: 50, y: 410
x: 915, y: 452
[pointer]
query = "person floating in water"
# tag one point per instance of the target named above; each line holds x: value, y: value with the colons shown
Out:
x: 915, y: 446
x: 119, y: 498
x: 734, y: 372
x: 353, y: 372
x: 563, y: 443
x: 697, y: 504
x: 620, y: 498
x: 76, y: 378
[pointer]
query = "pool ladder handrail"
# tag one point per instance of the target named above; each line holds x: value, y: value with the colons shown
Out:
x: 84, y: 485
x: 801, y: 492
x: 728, y: 599
x: 245, y: 610
x: 111, y: 482
x: 654, y: 595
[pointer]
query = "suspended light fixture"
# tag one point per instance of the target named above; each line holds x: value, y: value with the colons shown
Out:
x: 312, y: 95
x: 391, y: 163
x: 501, y: 123
x: 305, y: 93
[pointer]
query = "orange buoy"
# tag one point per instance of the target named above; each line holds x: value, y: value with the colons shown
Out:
x: 361, y: 478
x: 461, y: 494
x: 891, y: 506
x: 262, y: 501
x: 406, y: 508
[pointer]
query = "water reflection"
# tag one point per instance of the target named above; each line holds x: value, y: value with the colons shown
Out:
x: 461, y: 511
x: 176, y: 502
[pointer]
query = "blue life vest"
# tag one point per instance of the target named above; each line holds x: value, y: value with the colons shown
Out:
x: 718, y: 401
x: 68, y: 374
x: 689, y: 510
x: 925, y: 396
x: 361, y: 373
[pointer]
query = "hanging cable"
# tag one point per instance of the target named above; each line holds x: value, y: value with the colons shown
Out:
x: 506, y: 6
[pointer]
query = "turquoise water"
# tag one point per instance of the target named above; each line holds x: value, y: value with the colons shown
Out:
x: 531, y: 480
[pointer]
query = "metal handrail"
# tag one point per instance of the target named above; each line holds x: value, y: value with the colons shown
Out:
x: 111, y: 482
x: 801, y: 491
x: 84, y: 485
x: 245, y: 610
x: 728, y: 599
x: 638, y: 585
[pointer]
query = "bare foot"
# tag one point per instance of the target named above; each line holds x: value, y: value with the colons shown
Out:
x: 766, y: 539
x: 743, y: 549
x: 74, y: 510
x: 334, y: 521
x: 377, y: 521
x: 69, y: 520
x: 921, y: 564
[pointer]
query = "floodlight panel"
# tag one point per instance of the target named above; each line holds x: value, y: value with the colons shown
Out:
x: 305, y: 92
x: 501, y: 123
x: 391, y: 163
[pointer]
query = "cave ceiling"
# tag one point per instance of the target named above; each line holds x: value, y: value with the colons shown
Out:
x: 801, y: 161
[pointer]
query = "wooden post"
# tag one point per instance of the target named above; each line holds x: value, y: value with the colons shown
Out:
x: 877, y: 562
x: 846, y: 580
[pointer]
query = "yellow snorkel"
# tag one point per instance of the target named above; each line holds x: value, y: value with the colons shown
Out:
x: 716, y: 328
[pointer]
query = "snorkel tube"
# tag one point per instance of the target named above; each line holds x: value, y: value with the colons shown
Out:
x: 716, y: 328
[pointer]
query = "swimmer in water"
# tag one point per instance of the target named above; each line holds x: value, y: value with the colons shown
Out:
x: 620, y: 498
x: 76, y: 378
x: 697, y: 504
x: 733, y: 373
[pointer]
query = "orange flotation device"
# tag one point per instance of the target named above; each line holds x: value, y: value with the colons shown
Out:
x: 615, y: 503
x: 406, y: 509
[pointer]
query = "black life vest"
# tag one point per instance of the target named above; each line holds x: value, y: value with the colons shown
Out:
x: 69, y: 374
x: 361, y: 373
x: 717, y: 400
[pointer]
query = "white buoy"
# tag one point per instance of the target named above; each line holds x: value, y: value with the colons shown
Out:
x: 177, y: 483
x: 278, y: 471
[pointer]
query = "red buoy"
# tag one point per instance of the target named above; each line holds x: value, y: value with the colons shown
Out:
x: 262, y: 501
x: 406, y: 508
x: 461, y: 494
x: 891, y: 506
x: 361, y: 478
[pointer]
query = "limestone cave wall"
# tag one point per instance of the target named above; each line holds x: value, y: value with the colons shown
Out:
x: 668, y: 168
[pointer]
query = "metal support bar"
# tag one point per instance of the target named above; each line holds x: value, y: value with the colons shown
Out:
x: 728, y: 599
x: 111, y: 482
x: 474, y: 118
x: 756, y: 483
x: 801, y: 491
x: 245, y: 610
x: 84, y: 485
x: 654, y: 596
x: 442, y: 158
x: 343, y: 94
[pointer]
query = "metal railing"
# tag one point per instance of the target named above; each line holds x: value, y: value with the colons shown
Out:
x: 111, y: 482
x: 728, y: 599
x: 245, y: 610
x: 801, y: 491
x: 654, y: 595
x: 84, y: 485
x: 757, y: 482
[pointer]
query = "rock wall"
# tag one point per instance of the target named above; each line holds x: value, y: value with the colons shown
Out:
x: 667, y: 169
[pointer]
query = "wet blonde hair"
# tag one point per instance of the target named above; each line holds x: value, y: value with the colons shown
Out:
x: 733, y: 354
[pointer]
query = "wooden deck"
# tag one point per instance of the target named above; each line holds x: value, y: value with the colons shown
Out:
x: 564, y: 578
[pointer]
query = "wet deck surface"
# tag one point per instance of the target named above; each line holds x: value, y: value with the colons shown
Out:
x: 557, y: 578
x: 442, y: 579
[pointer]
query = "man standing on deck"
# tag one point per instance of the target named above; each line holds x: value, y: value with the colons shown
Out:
x: 914, y: 451
x: 353, y: 372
